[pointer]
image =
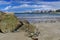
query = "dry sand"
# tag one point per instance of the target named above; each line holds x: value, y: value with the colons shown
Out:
x: 48, y: 31
x: 13, y: 36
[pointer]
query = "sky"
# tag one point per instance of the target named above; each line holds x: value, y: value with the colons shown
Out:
x: 28, y: 5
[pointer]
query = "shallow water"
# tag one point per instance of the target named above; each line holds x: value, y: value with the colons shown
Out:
x: 34, y: 15
x: 38, y: 17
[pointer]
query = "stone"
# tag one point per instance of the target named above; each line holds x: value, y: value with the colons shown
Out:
x: 8, y: 22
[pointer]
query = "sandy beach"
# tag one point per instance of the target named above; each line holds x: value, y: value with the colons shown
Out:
x: 48, y: 31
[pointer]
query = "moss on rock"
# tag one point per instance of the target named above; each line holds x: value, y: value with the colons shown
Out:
x: 8, y: 22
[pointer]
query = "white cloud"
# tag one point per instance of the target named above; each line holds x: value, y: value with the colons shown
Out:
x: 54, y: 4
x: 24, y: 2
x: 7, y: 8
x: 4, y: 2
x: 21, y: 6
x: 35, y: 6
x: 40, y: 2
x: 51, y: 3
x: 32, y: 6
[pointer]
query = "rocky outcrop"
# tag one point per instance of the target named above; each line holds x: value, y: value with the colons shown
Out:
x: 8, y: 22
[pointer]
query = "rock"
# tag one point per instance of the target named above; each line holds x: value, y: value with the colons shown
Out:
x: 8, y: 22
x: 27, y: 26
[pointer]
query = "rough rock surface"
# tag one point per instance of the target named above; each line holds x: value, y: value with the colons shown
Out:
x: 8, y: 22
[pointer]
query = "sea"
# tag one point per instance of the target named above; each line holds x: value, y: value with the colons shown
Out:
x: 34, y: 17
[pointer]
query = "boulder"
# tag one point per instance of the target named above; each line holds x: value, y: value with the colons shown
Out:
x: 8, y: 22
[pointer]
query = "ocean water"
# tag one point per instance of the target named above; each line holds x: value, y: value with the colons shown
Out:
x: 33, y: 15
x: 38, y: 17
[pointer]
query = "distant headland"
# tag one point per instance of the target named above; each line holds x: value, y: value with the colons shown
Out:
x: 38, y: 12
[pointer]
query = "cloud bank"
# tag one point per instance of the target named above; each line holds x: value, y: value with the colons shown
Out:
x: 30, y: 5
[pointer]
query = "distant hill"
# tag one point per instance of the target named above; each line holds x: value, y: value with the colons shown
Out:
x: 42, y: 12
x: 58, y: 10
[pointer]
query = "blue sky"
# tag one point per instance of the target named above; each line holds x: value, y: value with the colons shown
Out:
x: 28, y: 5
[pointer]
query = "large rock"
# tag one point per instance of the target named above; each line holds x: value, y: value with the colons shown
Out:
x: 8, y: 22
x: 28, y: 27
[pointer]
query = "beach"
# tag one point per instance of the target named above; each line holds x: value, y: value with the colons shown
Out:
x: 29, y: 19
x: 48, y: 31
